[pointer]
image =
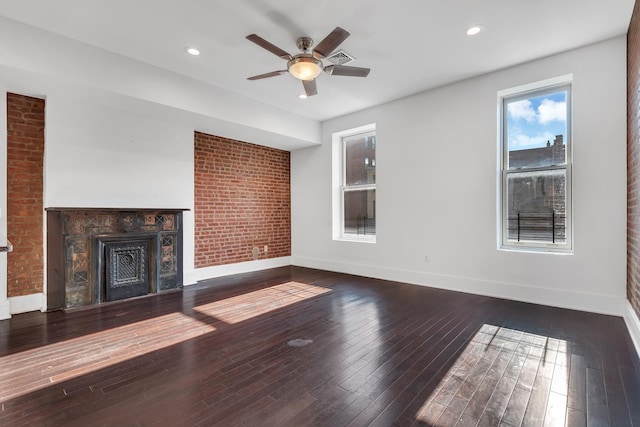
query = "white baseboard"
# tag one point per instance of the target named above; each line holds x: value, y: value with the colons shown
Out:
x: 633, y: 325
x: 26, y: 303
x: 237, y: 268
x: 5, y: 310
x: 603, y: 304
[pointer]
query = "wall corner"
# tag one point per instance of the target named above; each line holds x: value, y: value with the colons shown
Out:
x: 633, y: 325
x: 5, y: 310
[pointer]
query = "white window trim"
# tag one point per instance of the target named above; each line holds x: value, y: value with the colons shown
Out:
x: 337, y: 180
x: 525, y: 91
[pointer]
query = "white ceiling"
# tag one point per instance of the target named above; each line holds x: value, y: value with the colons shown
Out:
x: 410, y: 45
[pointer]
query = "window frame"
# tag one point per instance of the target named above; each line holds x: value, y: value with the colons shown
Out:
x: 340, y: 187
x: 563, y: 83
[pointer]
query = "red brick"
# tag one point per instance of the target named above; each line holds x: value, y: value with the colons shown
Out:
x: 242, y: 201
x: 25, y: 154
x: 633, y: 159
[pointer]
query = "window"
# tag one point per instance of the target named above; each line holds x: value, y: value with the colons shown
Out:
x: 536, y: 166
x: 355, y: 184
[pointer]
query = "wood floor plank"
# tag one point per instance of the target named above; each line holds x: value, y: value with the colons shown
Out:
x: 577, y: 391
x: 576, y: 418
x: 429, y: 414
x: 497, y: 404
x: 597, y: 413
x: 617, y: 405
x: 556, y: 411
x: 374, y: 352
x: 516, y: 407
x: 486, y: 390
x: 631, y: 381
x: 537, y: 405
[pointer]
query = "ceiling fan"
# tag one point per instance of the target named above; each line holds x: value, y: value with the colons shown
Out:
x: 306, y: 66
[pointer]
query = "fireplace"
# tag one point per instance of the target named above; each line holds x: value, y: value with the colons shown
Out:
x: 123, y: 267
x: 102, y: 255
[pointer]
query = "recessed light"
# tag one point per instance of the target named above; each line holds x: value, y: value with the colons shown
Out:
x: 475, y: 29
x: 302, y: 96
x: 192, y: 51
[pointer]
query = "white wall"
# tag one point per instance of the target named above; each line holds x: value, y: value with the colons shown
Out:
x: 101, y: 157
x: 119, y: 133
x: 97, y: 156
x: 436, y: 190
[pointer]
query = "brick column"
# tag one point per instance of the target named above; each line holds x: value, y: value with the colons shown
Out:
x: 25, y: 216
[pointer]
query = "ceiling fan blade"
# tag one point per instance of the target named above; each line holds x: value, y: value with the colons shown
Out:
x: 343, y: 70
x: 265, y: 75
x: 330, y: 43
x: 268, y: 46
x: 310, y: 87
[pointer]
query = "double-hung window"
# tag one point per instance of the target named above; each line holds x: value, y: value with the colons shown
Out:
x: 535, y: 147
x: 355, y: 184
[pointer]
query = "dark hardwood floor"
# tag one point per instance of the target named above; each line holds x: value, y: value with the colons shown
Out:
x: 294, y: 346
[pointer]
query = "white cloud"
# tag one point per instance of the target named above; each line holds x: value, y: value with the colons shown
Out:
x: 522, y: 110
x: 521, y: 141
x: 550, y: 111
x: 547, y: 111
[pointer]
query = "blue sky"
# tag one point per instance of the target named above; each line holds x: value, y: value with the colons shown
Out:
x: 534, y: 121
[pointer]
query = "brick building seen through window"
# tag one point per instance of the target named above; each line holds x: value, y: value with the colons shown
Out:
x: 359, y: 175
x: 537, y: 200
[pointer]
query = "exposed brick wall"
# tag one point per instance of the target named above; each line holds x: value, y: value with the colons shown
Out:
x: 242, y: 201
x: 25, y: 154
x: 633, y: 160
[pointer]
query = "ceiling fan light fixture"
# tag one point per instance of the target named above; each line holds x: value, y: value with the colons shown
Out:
x: 304, y: 68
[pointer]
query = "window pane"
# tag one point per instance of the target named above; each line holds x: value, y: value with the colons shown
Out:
x: 537, y: 130
x: 536, y: 206
x: 360, y: 159
x: 360, y: 212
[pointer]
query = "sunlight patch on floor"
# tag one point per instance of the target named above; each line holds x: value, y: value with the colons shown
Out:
x: 500, y: 360
x: 64, y: 360
x: 247, y: 306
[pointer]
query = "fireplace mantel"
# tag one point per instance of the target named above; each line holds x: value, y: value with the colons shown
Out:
x: 77, y: 270
x: 98, y: 209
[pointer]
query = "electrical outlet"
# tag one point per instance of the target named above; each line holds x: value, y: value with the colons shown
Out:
x: 266, y: 249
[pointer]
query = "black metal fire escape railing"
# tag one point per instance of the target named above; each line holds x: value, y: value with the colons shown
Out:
x: 549, y: 226
x: 361, y: 225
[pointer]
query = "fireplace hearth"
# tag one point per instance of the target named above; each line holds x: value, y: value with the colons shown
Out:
x: 102, y: 255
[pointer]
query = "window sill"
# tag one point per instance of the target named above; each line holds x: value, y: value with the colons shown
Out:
x: 356, y: 239
x: 537, y: 250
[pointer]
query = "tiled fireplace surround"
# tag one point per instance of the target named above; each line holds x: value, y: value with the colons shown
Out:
x: 99, y: 255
